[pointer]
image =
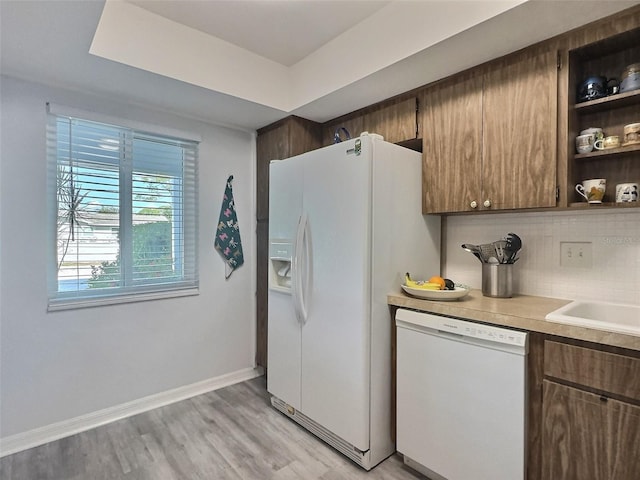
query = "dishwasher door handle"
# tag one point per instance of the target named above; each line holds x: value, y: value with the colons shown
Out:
x: 454, y: 336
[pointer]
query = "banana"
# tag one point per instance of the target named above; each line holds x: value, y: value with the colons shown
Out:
x: 419, y: 284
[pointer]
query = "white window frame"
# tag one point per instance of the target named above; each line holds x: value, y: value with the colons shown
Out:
x: 128, y: 293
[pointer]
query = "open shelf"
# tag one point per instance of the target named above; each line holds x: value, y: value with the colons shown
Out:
x: 607, y: 58
x: 608, y: 152
x: 618, y: 100
x: 584, y: 204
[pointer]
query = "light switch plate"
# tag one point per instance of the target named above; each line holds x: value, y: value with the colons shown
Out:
x: 576, y: 254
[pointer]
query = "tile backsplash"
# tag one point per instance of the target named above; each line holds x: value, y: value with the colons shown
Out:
x: 614, y: 275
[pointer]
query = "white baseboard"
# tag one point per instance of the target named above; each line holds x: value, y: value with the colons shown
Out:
x: 55, y: 431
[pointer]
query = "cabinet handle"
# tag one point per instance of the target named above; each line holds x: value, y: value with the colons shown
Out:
x: 473, y: 204
x: 487, y: 203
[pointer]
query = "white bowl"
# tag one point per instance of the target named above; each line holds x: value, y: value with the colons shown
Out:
x: 460, y: 291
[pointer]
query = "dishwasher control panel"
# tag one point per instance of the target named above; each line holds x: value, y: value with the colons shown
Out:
x: 459, y: 327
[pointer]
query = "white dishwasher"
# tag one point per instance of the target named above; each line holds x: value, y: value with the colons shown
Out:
x: 461, y: 398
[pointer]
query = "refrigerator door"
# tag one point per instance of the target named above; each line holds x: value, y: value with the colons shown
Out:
x: 284, y: 335
x: 336, y: 335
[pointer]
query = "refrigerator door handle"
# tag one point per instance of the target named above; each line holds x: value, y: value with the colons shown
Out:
x: 307, y: 263
x: 296, y: 271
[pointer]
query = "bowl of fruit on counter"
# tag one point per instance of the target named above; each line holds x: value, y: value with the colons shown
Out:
x: 436, y: 288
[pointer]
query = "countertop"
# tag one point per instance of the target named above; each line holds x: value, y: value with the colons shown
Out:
x: 524, y: 312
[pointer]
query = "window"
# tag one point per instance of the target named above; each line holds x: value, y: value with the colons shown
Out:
x: 125, y: 214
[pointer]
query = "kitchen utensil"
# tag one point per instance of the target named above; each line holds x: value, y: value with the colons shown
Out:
x: 473, y: 249
x: 499, y: 246
x: 488, y: 252
x: 500, y: 252
x: 512, y: 247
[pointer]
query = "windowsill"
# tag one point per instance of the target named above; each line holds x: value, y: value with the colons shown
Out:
x: 60, y: 304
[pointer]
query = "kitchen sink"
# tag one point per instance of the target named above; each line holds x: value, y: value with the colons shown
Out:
x: 612, y: 317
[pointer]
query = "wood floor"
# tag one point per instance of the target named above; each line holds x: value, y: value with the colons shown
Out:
x: 232, y: 433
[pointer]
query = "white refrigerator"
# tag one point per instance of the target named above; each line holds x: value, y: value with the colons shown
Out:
x: 345, y: 224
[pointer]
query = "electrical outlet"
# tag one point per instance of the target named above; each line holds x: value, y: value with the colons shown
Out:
x: 576, y: 254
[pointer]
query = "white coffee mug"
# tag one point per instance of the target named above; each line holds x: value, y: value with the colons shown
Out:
x: 612, y: 141
x: 626, y: 192
x: 595, y: 131
x: 592, y: 190
x: 584, y: 143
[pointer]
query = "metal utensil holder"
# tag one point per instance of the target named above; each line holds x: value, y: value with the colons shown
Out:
x: 497, y: 280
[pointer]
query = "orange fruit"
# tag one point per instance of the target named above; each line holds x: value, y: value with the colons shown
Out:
x: 439, y: 280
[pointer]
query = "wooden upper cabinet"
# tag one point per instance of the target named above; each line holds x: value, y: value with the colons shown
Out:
x: 452, y: 145
x: 395, y: 120
x: 286, y: 138
x: 270, y: 145
x: 520, y: 132
x: 490, y: 137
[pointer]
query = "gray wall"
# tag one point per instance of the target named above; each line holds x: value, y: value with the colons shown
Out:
x: 57, y: 366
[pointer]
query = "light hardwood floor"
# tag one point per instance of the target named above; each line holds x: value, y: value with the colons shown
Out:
x: 232, y: 433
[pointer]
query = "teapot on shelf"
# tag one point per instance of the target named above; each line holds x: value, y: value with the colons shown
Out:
x: 597, y: 86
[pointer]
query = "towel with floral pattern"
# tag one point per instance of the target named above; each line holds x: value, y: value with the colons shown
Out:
x: 228, y: 233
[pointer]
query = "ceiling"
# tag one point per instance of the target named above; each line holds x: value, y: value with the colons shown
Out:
x: 282, y: 31
x: 248, y: 63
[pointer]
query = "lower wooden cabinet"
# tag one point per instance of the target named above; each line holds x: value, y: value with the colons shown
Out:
x: 589, y: 433
x: 262, y: 291
x: 588, y: 436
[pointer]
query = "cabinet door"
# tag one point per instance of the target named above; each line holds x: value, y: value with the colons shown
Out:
x: 588, y: 437
x: 286, y: 138
x: 395, y: 122
x: 624, y: 441
x: 452, y: 143
x: 262, y: 287
x: 520, y: 132
x: 573, y: 435
x: 304, y: 136
x: 270, y: 145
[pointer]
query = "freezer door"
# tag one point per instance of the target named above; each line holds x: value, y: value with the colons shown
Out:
x: 284, y: 334
x: 285, y: 198
x: 335, y: 337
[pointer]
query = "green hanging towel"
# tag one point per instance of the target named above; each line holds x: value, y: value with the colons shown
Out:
x: 228, y: 233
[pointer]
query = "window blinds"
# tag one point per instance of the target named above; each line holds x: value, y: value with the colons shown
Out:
x: 125, y: 212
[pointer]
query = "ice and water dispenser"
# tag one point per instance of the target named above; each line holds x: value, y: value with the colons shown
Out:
x: 280, y: 257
